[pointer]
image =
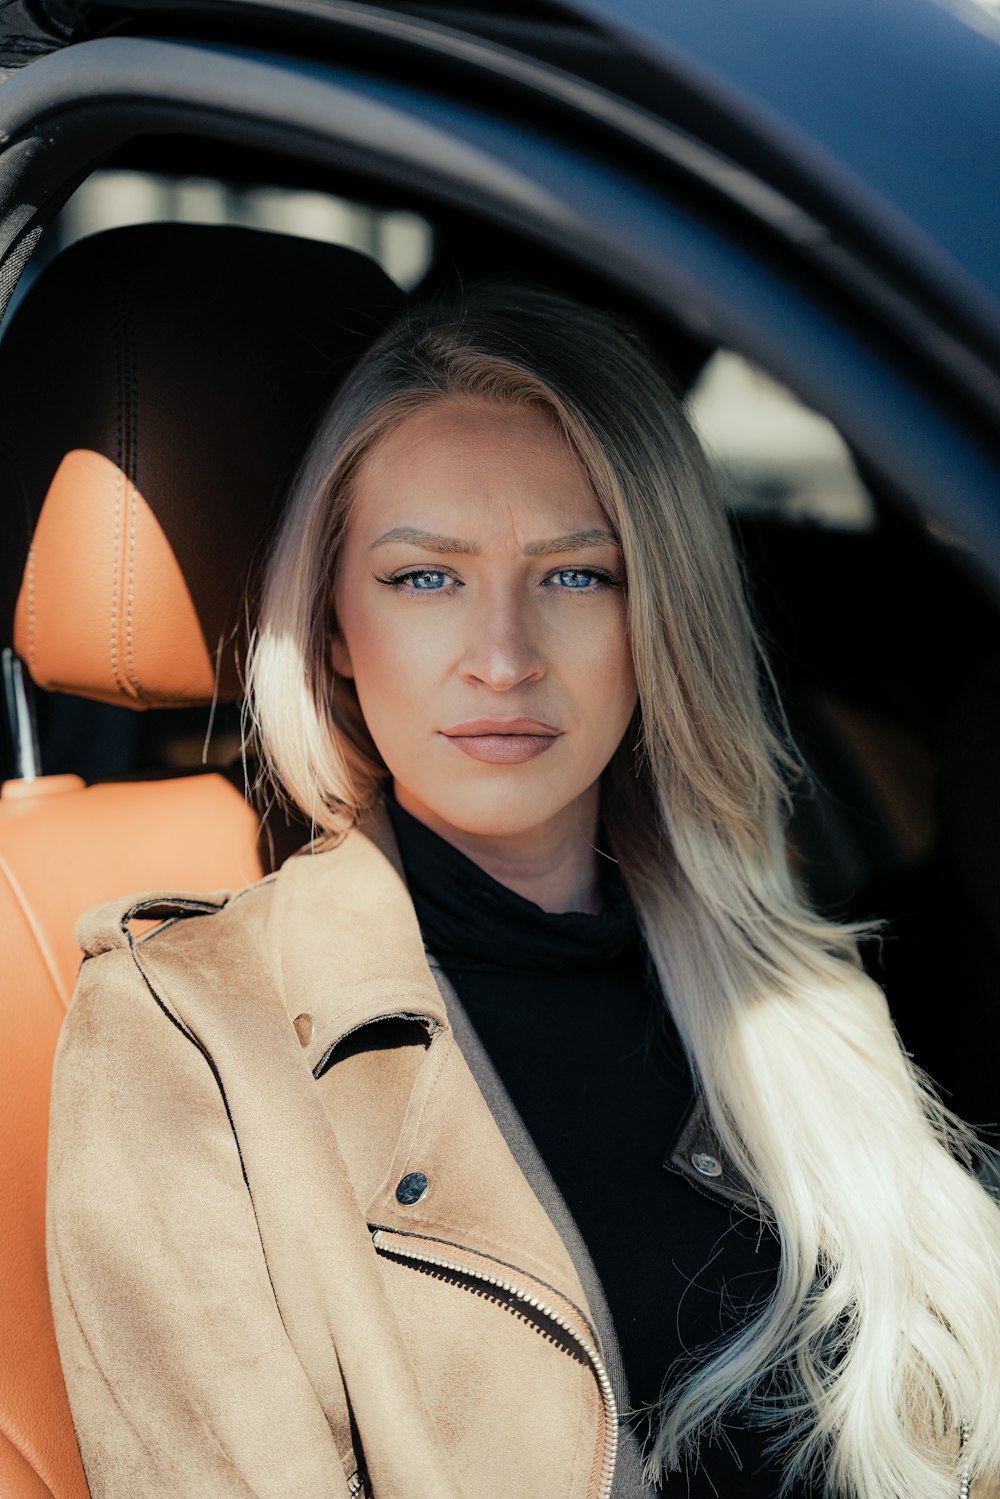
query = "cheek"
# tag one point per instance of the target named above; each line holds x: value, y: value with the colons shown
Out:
x: 374, y: 641
x: 620, y: 696
x: 613, y: 691
x: 600, y: 660
x: 384, y: 664
x: 396, y: 665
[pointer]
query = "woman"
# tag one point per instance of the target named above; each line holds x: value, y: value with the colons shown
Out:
x: 357, y: 1177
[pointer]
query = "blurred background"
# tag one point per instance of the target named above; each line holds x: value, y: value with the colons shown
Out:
x: 775, y: 457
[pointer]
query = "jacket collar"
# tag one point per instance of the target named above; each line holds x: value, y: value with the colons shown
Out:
x: 357, y: 887
x: 696, y: 1154
x: 346, y: 951
x: 344, y: 941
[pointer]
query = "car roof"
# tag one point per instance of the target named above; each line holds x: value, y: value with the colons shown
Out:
x: 894, y: 104
x: 853, y: 136
x: 889, y: 110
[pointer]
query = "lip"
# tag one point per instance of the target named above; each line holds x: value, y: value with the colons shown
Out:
x: 479, y: 726
x: 503, y: 741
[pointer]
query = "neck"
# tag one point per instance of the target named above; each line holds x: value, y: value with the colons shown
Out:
x: 554, y: 865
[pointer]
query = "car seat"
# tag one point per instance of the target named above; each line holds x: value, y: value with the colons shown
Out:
x: 940, y: 966
x: 157, y: 385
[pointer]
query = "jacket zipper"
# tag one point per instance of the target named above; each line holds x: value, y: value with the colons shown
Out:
x: 607, y: 1448
x: 557, y: 1311
x: 965, y: 1476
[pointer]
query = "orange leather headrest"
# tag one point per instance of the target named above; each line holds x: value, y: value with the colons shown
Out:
x: 157, y: 385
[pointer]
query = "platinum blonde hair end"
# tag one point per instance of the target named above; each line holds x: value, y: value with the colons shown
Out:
x: 883, y: 1332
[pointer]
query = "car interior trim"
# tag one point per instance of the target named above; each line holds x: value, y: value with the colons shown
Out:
x: 109, y: 90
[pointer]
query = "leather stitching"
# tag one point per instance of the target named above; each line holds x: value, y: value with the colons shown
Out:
x: 30, y: 566
x: 32, y: 648
x: 126, y: 496
x: 132, y: 458
x: 119, y: 490
x: 42, y: 945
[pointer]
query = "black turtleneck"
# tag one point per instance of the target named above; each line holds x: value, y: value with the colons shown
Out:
x: 571, y: 1015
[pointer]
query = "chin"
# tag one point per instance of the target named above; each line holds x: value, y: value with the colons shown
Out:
x: 497, y: 811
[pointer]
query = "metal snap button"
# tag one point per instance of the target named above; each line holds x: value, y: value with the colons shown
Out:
x: 708, y: 1165
x: 304, y: 1028
x: 412, y: 1188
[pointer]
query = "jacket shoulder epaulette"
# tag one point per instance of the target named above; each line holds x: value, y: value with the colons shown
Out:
x: 107, y: 927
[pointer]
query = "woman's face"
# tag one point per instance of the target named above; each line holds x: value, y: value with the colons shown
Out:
x: 481, y: 614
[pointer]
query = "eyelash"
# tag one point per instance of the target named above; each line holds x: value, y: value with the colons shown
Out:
x: 602, y: 578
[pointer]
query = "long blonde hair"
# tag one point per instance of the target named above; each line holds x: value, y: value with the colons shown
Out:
x: 883, y: 1332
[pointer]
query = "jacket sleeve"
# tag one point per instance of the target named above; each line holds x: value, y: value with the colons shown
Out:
x: 181, y: 1378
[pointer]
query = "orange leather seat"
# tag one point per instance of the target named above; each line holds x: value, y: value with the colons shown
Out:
x: 155, y: 388
x: 63, y: 847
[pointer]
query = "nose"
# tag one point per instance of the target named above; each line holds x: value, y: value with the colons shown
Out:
x: 500, y: 651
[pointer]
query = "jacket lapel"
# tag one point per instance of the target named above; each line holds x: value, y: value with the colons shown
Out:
x: 347, y: 952
x: 292, y: 968
x: 344, y: 944
x: 211, y: 976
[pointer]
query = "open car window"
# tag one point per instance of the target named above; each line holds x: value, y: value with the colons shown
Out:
x: 777, y: 458
x: 401, y: 241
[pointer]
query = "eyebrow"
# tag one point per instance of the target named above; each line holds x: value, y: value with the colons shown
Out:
x: 570, y: 543
x: 431, y: 541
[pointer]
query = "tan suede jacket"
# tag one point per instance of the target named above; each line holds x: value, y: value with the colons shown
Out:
x: 291, y: 1253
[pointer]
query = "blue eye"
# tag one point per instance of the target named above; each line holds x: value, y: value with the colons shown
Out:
x: 578, y: 577
x: 418, y: 580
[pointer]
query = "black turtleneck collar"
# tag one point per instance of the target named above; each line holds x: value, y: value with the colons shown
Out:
x: 469, y: 919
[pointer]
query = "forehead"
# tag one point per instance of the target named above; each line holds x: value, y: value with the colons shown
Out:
x: 462, y: 466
